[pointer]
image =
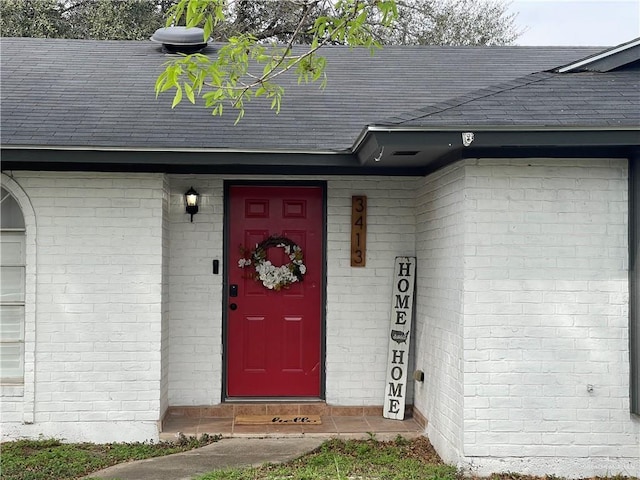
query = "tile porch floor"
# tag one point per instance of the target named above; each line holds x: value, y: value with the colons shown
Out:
x: 343, y: 422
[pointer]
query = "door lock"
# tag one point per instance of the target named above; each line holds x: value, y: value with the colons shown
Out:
x: 233, y: 290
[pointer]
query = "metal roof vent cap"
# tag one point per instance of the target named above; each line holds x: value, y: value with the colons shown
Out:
x: 180, y: 39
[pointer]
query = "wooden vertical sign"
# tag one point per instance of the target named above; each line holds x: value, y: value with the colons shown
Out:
x: 358, y: 231
x: 399, y: 333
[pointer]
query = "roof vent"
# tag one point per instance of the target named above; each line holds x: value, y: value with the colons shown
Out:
x: 180, y: 39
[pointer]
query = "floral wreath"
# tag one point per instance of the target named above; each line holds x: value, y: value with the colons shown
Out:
x: 271, y: 276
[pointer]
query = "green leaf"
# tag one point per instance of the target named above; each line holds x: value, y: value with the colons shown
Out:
x: 178, y: 97
x: 208, y: 28
x: 175, y: 13
x: 188, y: 90
x: 162, y: 78
x: 240, y: 115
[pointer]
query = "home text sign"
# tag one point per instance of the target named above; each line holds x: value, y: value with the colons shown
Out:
x: 358, y: 231
x: 399, y: 333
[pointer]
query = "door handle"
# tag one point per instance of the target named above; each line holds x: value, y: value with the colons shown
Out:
x: 233, y: 306
x: 233, y: 290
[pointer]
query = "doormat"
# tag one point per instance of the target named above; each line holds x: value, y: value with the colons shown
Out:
x: 278, y: 420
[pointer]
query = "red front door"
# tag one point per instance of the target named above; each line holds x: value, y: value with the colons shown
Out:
x: 274, y: 337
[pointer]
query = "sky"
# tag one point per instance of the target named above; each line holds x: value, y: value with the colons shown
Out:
x: 576, y: 22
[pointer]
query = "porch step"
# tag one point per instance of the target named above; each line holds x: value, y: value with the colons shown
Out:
x: 340, y: 421
x: 232, y: 409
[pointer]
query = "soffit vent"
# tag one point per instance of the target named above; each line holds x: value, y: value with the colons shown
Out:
x: 405, y: 153
x: 180, y: 39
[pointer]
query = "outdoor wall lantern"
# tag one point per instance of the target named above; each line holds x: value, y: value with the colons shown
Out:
x: 191, y: 198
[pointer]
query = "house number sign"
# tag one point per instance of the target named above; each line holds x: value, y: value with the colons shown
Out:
x: 358, y: 231
x: 395, y: 394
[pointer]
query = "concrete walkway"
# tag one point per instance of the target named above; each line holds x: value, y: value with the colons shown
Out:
x: 227, y: 453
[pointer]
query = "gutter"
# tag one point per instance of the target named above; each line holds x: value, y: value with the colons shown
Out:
x: 432, y: 147
x: 372, y: 129
x: 78, y: 148
x: 354, y: 147
x: 378, y: 149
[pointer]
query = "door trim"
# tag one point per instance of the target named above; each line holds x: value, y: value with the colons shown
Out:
x: 225, y: 279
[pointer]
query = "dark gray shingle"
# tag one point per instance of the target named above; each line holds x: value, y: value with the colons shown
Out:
x: 586, y: 99
x: 100, y: 93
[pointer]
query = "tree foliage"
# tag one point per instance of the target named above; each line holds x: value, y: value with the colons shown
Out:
x: 418, y: 22
x: 108, y: 20
x: 32, y: 18
x: 88, y: 19
x: 452, y: 22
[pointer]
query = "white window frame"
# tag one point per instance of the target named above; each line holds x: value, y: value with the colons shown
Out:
x: 26, y: 390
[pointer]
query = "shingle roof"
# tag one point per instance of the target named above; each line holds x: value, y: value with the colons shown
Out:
x: 587, y: 99
x: 80, y: 93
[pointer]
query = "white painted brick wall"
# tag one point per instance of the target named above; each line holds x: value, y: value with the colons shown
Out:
x: 195, y: 327
x: 543, y: 310
x: 166, y: 252
x: 531, y: 254
x: 440, y: 249
x: 546, y: 315
x: 358, y: 299
x: 112, y: 349
x: 98, y: 325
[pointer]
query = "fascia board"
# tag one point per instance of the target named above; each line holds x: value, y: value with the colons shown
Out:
x: 593, y: 59
x: 437, y: 143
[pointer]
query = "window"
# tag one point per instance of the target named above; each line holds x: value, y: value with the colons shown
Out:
x: 12, y: 289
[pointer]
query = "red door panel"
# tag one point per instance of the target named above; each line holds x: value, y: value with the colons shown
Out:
x: 274, y: 337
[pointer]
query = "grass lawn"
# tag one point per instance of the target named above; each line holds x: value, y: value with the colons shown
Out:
x: 353, y: 460
x: 368, y: 460
x: 334, y: 460
x: 54, y: 460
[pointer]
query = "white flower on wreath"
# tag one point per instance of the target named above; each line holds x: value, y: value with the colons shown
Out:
x: 244, y: 262
x: 275, y: 277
